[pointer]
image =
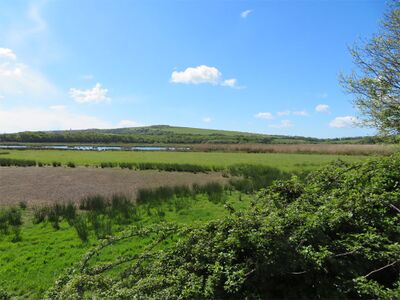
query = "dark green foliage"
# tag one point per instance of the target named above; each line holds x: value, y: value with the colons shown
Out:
x: 156, y: 196
x: 55, y: 213
x: 101, y: 224
x: 39, y: 214
x: 9, y: 162
x: 336, y: 236
x: 4, y: 295
x: 69, y: 212
x: 56, y: 164
x: 23, y: 205
x: 71, y: 164
x: 95, y: 203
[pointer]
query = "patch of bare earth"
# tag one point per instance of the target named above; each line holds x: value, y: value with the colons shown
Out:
x: 36, y: 185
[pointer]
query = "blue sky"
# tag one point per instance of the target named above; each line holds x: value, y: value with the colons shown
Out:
x: 260, y: 66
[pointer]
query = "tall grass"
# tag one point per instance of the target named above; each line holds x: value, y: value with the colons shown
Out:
x: 55, y: 214
x: 11, y: 218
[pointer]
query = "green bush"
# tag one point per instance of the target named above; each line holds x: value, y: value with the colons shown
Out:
x: 56, y: 164
x: 71, y: 164
x: 8, y: 162
x: 336, y: 236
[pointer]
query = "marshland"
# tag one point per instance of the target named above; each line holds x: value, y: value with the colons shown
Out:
x: 294, y: 193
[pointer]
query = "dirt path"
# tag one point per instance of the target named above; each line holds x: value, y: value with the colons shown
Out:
x: 46, y: 185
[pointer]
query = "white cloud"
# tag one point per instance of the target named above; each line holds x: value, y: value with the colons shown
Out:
x: 207, y: 120
x: 322, y: 108
x: 246, y: 13
x: 96, y: 94
x: 197, y: 75
x: 202, y: 74
x: 282, y: 124
x: 229, y: 82
x: 344, y: 122
x: 7, y: 53
x: 55, y: 118
x: 128, y: 123
x: 264, y: 115
x: 58, y: 107
x: 17, y: 79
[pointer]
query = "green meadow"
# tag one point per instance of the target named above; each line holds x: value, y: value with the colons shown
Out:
x: 29, y: 267
x: 283, y: 161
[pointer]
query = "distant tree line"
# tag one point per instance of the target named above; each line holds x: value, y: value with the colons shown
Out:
x: 168, y: 137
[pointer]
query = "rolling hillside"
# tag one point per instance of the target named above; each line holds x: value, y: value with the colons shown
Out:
x: 164, y: 134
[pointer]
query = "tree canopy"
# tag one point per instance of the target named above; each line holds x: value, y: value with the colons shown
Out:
x: 376, y: 83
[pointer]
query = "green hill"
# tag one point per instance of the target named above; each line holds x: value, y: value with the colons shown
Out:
x: 164, y: 134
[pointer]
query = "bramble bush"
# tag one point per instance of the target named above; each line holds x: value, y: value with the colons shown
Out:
x: 336, y: 236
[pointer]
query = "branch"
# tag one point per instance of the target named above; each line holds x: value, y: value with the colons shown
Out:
x: 395, y: 208
x: 382, y: 268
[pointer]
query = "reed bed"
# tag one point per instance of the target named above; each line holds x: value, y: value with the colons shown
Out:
x: 347, y: 149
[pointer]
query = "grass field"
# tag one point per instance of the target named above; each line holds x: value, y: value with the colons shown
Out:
x: 29, y: 267
x: 284, y: 161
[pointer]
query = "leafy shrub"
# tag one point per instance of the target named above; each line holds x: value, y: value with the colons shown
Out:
x: 335, y: 236
x: 56, y: 164
x: 71, y: 164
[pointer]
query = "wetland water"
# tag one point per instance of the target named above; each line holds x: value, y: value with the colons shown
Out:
x: 94, y: 148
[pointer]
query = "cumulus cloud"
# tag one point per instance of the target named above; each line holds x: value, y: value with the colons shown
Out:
x: 207, y: 120
x: 17, y: 79
x: 344, y: 122
x: 246, y: 13
x: 197, y: 75
x: 264, y: 115
x: 128, y: 123
x: 282, y: 124
x: 96, y: 94
x: 7, y: 53
x: 202, y: 74
x: 322, y: 108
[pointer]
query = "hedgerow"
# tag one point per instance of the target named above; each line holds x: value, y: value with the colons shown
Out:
x: 335, y: 236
